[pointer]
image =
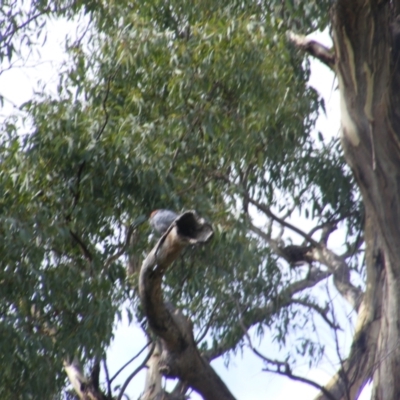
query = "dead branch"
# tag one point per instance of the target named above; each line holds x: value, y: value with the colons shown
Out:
x: 179, y: 356
x: 135, y: 372
x: 314, y: 48
x: 131, y: 360
x: 86, y: 388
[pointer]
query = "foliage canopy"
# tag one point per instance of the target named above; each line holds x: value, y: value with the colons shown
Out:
x: 181, y: 105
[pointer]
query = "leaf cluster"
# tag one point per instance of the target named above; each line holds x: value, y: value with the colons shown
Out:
x: 182, y: 105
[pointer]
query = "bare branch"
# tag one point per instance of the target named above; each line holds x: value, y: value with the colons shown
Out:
x: 135, y: 372
x: 269, y: 213
x: 85, y: 388
x: 358, y: 368
x: 85, y: 251
x: 320, y: 253
x: 354, y: 248
x: 341, y: 275
x: 208, y: 325
x: 104, y: 105
x: 108, y: 380
x: 284, y: 299
x: 282, y: 368
x: 287, y: 372
x: 131, y: 360
x: 314, y: 48
x: 362, y: 361
x: 322, y: 312
x: 179, y: 357
x: 327, y: 230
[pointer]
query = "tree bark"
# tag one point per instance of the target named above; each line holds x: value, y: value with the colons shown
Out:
x: 368, y: 74
x: 179, y: 356
x: 359, y: 367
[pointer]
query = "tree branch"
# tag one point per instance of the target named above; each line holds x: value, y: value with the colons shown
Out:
x: 131, y: 360
x: 341, y: 275
x: 108, y: 381
x: 288, y: 373
x: 282, y: 368
x: 135, y: 372
x: 179, y: 357
x: 10, y: 33
x: 208, y: 325
x: 261, y: 314
x: 85, y: 251
x: 322, y: 312
x: 362, y: 361
x: 314, y: 48
x: 84, y: 387
x: 323, y: 255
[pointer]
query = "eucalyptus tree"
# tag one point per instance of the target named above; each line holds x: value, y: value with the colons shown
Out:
x: 205, y: 106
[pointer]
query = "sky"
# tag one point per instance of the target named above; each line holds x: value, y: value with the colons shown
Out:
x: 244, y: 375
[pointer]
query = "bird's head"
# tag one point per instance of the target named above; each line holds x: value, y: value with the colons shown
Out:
x: 153, y: 213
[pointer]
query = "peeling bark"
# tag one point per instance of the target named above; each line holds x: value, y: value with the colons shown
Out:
x: 86, y: 388
x: 368, y: 73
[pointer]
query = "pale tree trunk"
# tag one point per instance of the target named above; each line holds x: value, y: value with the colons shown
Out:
x: 368, y: 74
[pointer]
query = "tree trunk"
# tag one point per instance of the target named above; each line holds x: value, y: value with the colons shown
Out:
x: 368, y: 74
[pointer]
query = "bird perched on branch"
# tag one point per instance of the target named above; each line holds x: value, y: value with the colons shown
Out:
x: 160, y: 220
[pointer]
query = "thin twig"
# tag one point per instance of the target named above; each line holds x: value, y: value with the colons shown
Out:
x: 288, y: 225
x: 342, y: 371
x: 208, y: 325
x: 82, y: 246
x: 319, y: 310
x: 288, y: 373
x: 108, y: 381
x: 136, y: 371
x: 279, y: 364
x: 121, y: 251
x: 77, y: 192
x: 269, y: 213
x: 9, y: 35
x: 131, y: 360
x: 104, y: 104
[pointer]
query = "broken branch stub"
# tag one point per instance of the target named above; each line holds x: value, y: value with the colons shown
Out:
x: 187, y: 229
